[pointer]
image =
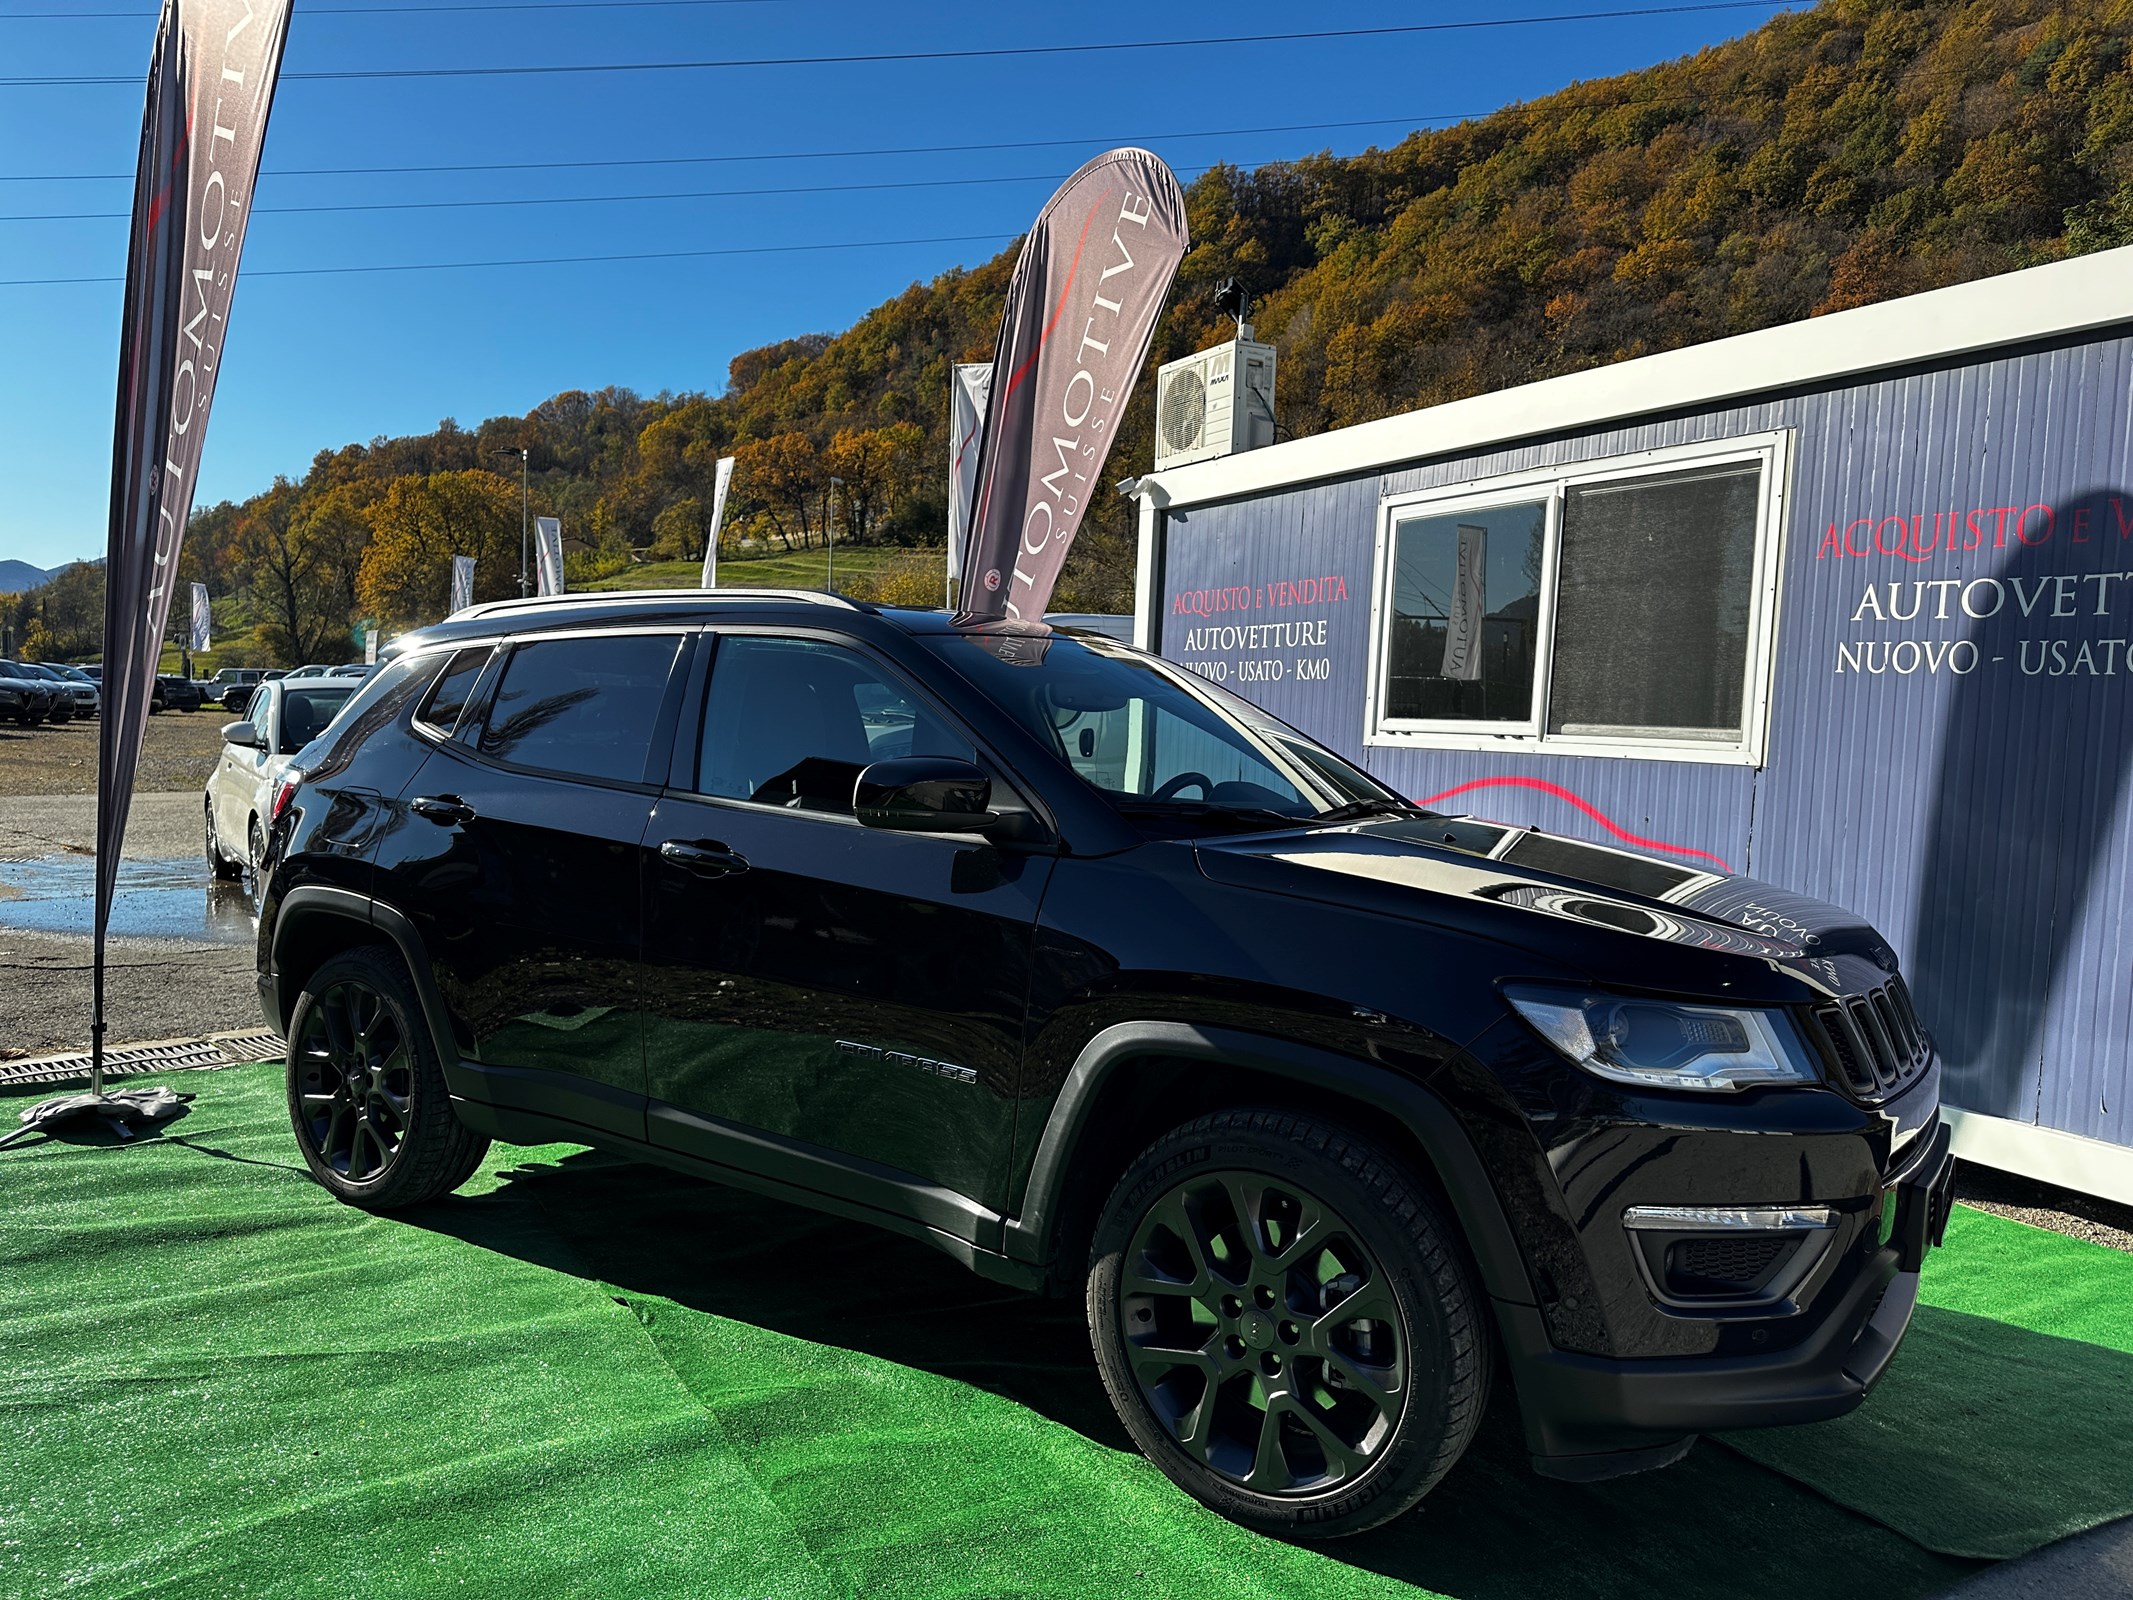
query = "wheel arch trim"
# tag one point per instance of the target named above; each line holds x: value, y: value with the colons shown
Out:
x: 305, y: 906
x: 1433, y: 1124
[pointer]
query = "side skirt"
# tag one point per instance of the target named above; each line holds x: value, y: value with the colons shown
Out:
x: 739, y: 1157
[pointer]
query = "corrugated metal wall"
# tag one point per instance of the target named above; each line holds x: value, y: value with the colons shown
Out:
x: 1982, y: 818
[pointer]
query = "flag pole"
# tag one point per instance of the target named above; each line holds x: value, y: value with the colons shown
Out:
x: 191, y: 200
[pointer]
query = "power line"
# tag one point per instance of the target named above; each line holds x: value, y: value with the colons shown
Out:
x: 987, y: 53
x: 389, y: 11
x: 591, y: 199
x: 788, y: 155
x: 577, y: 199
x: 556, y: 261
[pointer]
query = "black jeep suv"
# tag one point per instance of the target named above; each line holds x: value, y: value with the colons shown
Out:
x: 1052, y: 955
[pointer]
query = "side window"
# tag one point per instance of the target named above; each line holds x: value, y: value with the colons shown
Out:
x: 440, y: 713
x: 583, y: 707
x: 791, y: 722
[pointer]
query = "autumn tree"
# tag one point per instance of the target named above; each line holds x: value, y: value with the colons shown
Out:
x: 781, y: 480
x: 302, y: 615
x: 419, y: 524
x: 63, y: 618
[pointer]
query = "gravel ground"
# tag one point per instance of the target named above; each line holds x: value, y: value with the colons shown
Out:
x: 187, y: 974
x: 177, y: 752
x: 2043, y: 1206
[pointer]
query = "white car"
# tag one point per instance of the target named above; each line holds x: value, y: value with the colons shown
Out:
x: 282, y: 718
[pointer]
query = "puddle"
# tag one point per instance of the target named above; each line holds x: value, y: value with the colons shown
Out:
x: 155, y: 900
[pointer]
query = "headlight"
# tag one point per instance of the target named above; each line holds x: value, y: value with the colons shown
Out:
x: 1664, y: 1045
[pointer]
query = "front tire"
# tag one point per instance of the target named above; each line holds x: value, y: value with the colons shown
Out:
x: 1286, y: 1324
x: 367, y: 1095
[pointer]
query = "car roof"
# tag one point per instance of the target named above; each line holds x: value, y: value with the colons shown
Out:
x: 496, y: 618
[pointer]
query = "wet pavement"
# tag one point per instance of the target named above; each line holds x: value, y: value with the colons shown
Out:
x: 179, y: 963
x: 155, y: 900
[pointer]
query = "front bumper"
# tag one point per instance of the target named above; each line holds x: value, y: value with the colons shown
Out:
x: 1598, y: 1416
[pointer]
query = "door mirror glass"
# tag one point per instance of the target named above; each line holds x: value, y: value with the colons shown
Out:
x: 242, y: 734
x: 924, y: 794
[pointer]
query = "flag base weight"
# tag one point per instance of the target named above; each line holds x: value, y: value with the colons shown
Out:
x: 121, y: 1110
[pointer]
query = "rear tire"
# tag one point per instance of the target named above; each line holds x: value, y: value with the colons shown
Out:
x: 1285, y: 1323
x: 367, y: 1096
x: 217, y: 862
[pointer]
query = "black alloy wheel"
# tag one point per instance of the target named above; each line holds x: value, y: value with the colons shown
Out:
x: 1285, y: 1324
x: 367, y: 1097
x: 218, y: 861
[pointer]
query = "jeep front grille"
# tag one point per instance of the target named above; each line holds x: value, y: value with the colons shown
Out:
x: 1873, y: 1040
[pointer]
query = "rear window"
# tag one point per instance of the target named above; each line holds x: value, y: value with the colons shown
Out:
x: 305, y: 713
x: 585, y: 708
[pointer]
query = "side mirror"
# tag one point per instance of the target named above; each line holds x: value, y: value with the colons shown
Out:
x: 242, y: 734
x: 924, y: 794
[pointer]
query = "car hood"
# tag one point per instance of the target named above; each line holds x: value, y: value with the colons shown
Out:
x: 1592, y: 907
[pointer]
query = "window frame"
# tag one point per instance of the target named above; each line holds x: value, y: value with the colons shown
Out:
x: 1770, y: 450
x: 1384, y: 589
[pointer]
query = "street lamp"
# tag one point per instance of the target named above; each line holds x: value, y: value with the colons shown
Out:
x: 829, y: 526
x: 524, y: 455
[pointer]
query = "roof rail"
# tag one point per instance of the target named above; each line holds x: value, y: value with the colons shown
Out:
x: 489, y: 608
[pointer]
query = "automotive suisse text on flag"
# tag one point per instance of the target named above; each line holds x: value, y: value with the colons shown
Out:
x: 1081, y: 310
x: 210, y: 87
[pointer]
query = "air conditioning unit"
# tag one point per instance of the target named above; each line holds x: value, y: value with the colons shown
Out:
x: 1215, y: 403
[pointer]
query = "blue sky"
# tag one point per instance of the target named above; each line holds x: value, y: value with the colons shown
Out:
x: 317, y: 361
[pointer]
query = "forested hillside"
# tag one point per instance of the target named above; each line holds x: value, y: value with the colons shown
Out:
x: 1847, y: 154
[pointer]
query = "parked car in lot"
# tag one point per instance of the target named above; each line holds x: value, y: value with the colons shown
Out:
x: 1049, y: 954
x: 231, y: 687
x: 81, y: 678
x: 79, y: 693
x: 283, y: 717
x: 62, y: 703
x: 24, y: 696
x: 173, y: 693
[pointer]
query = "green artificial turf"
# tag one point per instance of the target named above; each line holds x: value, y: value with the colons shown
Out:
x: 583, y: 1377
x: 2006, y: 1420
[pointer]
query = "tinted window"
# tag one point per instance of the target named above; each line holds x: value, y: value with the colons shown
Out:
x: 305, y: 713
x: 586, y: 707
x: 1651, y: 631
x: 791, y: 722
x: 1466, y: 604
x: 449, y: 698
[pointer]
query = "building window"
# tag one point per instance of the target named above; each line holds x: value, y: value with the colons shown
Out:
x: 1466, y: 615
x: 1618, y: 607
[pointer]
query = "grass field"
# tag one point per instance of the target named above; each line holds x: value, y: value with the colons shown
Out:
x: 583, y: 1377
x: 802, y: 569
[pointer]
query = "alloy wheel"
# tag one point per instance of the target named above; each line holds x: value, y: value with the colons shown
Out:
x: 355, y: 1077
x: 1263, y: 1334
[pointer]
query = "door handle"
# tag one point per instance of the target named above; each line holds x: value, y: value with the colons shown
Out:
x: 707, y: 858
x: 446, y: 810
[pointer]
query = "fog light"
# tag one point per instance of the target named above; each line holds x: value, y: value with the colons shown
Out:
x: 1707, y: 1260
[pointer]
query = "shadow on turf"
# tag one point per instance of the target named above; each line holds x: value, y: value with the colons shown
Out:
x: 1715, y: 1525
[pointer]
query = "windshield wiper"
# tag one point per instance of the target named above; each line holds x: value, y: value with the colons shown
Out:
x: 1214, y: 811
x: 1357, y: 810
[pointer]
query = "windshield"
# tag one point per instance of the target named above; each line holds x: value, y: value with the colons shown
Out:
x: 1154, y: 738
